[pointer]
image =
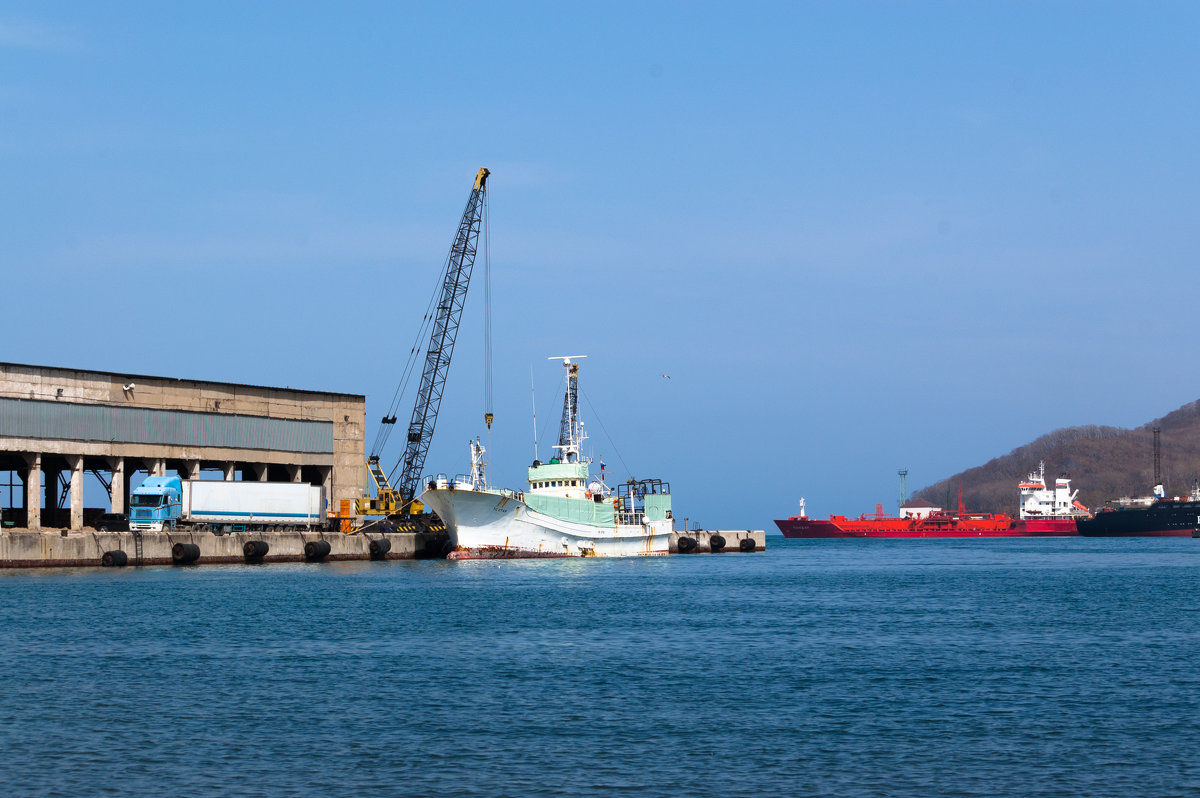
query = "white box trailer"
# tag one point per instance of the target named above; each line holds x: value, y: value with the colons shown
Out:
x: 220, y: 503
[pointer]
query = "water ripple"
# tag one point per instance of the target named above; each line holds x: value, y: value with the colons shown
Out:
x: 850, y: 668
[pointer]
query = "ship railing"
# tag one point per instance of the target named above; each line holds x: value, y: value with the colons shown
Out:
x: 638, y: 488
x: 630, y: 519
x: 504, y: 493
x: 465, y: 482
x: 437, y: 482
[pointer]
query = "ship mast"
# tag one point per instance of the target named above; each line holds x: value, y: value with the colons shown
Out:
x: 1159, y: 492
x: 478, y: 466
x: 570, y: 433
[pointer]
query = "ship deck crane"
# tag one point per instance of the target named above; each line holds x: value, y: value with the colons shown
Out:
x: 399, y: 498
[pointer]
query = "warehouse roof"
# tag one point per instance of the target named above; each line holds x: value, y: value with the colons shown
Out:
x: 130, y: 376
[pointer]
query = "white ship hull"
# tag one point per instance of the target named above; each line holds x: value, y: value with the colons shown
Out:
x: 487, y: 524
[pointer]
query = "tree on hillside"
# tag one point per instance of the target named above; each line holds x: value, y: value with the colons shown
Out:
x: 1103, y: 462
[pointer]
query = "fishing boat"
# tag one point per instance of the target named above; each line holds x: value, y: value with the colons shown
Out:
x: 566, y: 511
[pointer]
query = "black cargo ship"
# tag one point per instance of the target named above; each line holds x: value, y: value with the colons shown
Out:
x: 1162, y: 518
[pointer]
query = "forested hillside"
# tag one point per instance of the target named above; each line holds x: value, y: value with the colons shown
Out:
x: 1103, y: 463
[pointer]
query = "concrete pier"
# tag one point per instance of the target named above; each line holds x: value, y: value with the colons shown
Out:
x: 705, y: 540
x: 24, y: 548
x: 29, y: 548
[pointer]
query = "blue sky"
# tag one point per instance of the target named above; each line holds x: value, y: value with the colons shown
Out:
x: 857, y: 236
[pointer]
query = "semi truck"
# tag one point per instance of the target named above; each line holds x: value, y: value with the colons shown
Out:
x: 167, y: 503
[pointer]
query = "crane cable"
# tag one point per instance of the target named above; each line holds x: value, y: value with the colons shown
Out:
x: 418, y: 349
x: 487, y: 316
x: 390, y: 418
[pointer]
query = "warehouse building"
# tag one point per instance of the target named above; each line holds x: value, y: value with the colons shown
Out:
x: 59, y: 426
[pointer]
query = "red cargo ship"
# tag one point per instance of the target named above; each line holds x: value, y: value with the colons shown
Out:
x: 1044, y: 513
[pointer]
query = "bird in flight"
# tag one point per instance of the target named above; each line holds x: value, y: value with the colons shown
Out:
x: 666, y: 376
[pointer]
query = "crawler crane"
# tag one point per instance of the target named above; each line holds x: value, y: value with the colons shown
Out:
x: 397, y: 500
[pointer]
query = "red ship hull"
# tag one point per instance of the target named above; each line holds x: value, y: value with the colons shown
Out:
x: 982, y: 526
x: 1048, y: 527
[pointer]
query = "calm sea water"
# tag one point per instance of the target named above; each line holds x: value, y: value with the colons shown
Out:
x: 850, y: 668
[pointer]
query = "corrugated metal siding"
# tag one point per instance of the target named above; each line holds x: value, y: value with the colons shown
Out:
x: 26, y: 418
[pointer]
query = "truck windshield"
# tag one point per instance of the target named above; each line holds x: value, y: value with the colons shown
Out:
x: 145, y: 500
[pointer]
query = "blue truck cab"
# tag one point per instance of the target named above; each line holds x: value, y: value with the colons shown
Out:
x: 156, y: 504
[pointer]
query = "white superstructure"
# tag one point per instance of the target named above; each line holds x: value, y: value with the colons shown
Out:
x: 1038, y: 501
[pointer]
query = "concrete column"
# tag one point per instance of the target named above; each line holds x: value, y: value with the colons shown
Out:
x: 229, y: 468
x: 158, y: 468
x: 33, y: 491
x: 264, y: 472
x: 327, y: 482
x: 294, y: 472
x: 191, y: 469
x: 76, y: 463
x: 119, y: 491
x: 50, y: 489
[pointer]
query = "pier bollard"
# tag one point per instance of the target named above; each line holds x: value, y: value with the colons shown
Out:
x: 747, y: 544
x: 380, y: 548
x: 114, y: 559
x: 316, y: 550
x: 716, y: 543
x: 185, y: 553
x: 686, y: 544
x: 255, y: 550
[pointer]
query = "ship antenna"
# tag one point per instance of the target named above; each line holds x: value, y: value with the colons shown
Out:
x: 533, y: 401
x: 1158, y: 486
x: 903, y: 472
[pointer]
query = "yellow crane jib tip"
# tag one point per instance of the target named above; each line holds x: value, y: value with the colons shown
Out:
x: 481, y: 178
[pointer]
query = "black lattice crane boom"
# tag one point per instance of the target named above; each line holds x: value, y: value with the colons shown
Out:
x: 399, y: 498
